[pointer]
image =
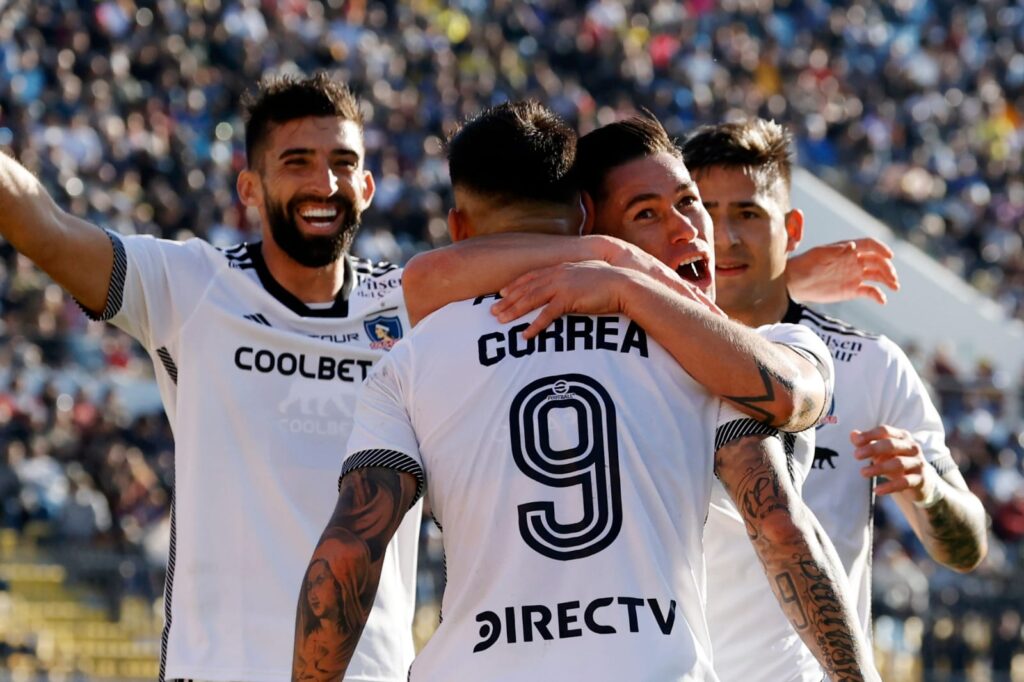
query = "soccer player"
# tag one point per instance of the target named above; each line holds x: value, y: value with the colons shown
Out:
x: 260, y: 350
x: 570, y: 470
x: 881, y: 415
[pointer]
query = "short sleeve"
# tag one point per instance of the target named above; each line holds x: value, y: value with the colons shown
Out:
x: 907, y: 405
x: 382, y: 432
x: 154, y: 286
x: 806, y: 343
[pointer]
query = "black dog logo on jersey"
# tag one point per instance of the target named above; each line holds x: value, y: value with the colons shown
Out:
x: 823, y: 456
x: 384, y: 331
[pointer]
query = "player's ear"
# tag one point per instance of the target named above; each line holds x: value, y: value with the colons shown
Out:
x: 589, y: 212
x: 369, y: 188
x: 458, y: 227
x: 794, y: 229
x: 250, y: 189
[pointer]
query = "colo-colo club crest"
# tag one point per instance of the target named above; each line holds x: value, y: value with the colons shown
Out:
x: 384, y: 331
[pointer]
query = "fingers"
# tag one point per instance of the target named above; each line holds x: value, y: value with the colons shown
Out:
x: 872, y: 292
x: 523, y: 298
x: 893, y: 467
x: 872, y: 245
x: 898, y: 485
x: 878, y: 269
x: 544, y: 319
x: 880, y: 431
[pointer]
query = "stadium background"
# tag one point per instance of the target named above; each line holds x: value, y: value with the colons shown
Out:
x: 128, y: 111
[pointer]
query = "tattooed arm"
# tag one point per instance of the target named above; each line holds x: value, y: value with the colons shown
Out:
x: 798, y: 559
x: 340, y: 583
x: 945, y: 515
x: 767, y: 381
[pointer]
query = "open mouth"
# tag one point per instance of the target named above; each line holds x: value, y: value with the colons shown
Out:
x: 320, y: 218
x: 695, y: 272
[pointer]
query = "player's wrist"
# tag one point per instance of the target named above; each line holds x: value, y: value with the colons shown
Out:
x: 930, y: 498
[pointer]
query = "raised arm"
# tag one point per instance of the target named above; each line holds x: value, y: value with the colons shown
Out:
x: 341, y: 580
x: 768, y: 381
x: 946, y: 516
x: 798, y: 559
x: 75, y: 253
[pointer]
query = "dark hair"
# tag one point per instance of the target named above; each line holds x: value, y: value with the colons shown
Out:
x: 764, y: 148
x: 279, y: 99
x: 514, y: 151
x: 610, y: 146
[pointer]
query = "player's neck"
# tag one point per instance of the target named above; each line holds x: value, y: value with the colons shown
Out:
x: 764, y: 310
x: 541, y: 219
x: 309, y: 285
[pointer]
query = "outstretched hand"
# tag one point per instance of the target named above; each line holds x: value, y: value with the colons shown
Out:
x: 843, y: 271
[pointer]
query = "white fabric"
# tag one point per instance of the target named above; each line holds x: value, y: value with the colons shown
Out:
x: 261, y: 409
x: 751, y: 637
x: 456, y: 397
x: 875, y: 384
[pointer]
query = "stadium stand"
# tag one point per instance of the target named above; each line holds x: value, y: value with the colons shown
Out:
x: 128, y: 111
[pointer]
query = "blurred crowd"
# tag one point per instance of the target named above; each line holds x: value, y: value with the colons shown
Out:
x: 128, y: 111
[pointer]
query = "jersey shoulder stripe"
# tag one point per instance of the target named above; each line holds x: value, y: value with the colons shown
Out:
x: 386, y: 459
x: 366, y: 267
x: 797, y: 314
x: 238, y: 256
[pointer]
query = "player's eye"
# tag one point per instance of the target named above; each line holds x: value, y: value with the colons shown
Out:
x: 749, y: 215
x: 644, y: 214
x: 688, y: 200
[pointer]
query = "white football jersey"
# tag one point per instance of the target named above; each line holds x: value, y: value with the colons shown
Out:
x: 260, y: 391
x: 570, y: 475
x: 875, y: 384
x: 751, y: 637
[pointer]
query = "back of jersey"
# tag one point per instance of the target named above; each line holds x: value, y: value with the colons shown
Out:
x: 570, y: 475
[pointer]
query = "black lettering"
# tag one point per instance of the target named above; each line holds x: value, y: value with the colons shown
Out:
x: 632, y: 603
x: 541, y: 624
x: 343, y: 367
x: 490, y: 630
x: 636, y: 337
x: 486, y: 358
x: 580, y: 328
x: 588, y: 616
x: 480, y: 299
x: 265, y: 361
x: 302, y: 368
x: 290, y: 370
x: 326, y: 368
x: 510, y: 621
x: 565, y: 619
x: 607, y: 329
x: 515, y: 337
x: 553, y: 334
x: 365, y: 365
x: 238, y: 358
x: 664, y: 623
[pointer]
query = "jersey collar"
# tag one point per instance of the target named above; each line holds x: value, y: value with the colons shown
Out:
x: 290, y: 301
x: 794, y: 312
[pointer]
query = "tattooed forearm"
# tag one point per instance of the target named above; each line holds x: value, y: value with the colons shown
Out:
x: 805, y: 576
x: 956, y: 536
x: 752, y: 405
x: 340, y: 583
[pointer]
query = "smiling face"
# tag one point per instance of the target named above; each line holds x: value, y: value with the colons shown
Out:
x: 653, y: 203
x: 310, y: 187
x: 755, y: 231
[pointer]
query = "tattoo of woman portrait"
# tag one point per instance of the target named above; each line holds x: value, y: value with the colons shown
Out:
x: 330, y: 610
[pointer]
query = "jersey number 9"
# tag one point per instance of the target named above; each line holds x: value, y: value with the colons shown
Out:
x: 592, y: 463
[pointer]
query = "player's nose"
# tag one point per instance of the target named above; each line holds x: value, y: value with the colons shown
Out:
x: 680, y: 228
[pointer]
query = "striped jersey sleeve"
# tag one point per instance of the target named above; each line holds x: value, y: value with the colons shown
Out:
x: 382, y: 432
